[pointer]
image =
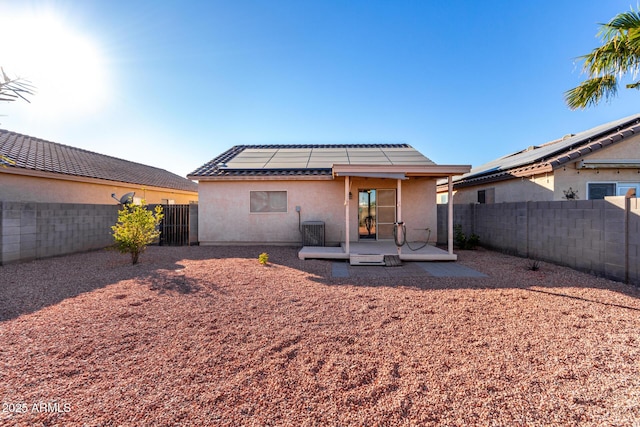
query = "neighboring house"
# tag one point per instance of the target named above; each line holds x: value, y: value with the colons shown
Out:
x: 599, y: 162
x: 255, y: 194
x: 35, y: 170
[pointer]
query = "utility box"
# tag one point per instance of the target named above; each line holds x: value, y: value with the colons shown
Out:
x: 313, y: 233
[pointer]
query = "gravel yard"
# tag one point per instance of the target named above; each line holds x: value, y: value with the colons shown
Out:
x: 200, y: 336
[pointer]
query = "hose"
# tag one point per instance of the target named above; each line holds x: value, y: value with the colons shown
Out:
x: 403, y: 241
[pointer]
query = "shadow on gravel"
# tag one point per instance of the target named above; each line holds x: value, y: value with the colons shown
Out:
x: 29, y: 287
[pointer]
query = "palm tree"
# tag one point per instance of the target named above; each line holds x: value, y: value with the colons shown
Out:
x: 12, y: 89
x: 605, y: 65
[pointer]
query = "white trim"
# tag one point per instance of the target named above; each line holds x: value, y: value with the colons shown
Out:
x: 384, y: 175
x: 346, y: 214
x: 450, y: 215
x: 408, y: 170
x: 608, y: 164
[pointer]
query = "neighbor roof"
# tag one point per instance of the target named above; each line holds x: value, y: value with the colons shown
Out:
x: 29, y: 153
x: 305, y: 159
x: 546, y: 157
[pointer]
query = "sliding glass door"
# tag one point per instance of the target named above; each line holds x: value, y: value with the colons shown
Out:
x: 376, y: 213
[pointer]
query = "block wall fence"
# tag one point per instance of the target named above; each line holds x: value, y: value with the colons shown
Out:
x: 39, y: 230
x: 30, y: 230
x: 601, y: 237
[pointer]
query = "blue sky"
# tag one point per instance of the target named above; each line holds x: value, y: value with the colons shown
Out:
x: 175, y: 83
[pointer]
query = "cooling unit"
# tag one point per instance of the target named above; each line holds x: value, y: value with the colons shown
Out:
x: 313, y: 233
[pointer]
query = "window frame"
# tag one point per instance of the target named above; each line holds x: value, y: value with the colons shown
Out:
x: 268, y: 202
x: 615, y: 188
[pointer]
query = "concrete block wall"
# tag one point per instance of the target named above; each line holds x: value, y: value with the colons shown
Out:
x: 39, y: 230
x: 193, y: 223
x: 633, y: 242
x: 601, y: 237
x: 462, y: 215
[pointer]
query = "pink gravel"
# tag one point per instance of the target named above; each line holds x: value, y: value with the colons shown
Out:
x: 199, y: 336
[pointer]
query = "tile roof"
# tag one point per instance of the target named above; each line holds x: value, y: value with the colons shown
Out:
x: 551, y: 155
x: 303, y: 160
x: 36, y: 154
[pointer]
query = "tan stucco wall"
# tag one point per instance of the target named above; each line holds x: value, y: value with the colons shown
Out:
x: 22, y: 188
x: 626, y: 149
x: 577, y: 179
x: 538, y: 188
x: 224, y: 216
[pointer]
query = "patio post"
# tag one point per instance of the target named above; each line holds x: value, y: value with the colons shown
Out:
x: 399, y: 209
x: 346, y: 214
x: 450, y: 216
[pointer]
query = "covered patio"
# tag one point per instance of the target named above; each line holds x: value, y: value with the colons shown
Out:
x: 374, y: 250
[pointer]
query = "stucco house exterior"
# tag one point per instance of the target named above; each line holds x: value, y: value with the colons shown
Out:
x: 255, y: 194
x: 599, y: 162
x: 35, y: 170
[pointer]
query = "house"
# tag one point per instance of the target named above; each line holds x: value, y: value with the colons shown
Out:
x: 599, y: 162
x: 32, y: 169
x: 345, y: 195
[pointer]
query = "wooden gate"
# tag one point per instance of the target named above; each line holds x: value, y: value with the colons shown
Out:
x: 174, y: 227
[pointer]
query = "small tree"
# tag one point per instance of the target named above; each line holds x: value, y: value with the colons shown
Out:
x: 137, y: 227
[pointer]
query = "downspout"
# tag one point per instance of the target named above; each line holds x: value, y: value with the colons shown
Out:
x: 346, y: 214
x: 450, y: 216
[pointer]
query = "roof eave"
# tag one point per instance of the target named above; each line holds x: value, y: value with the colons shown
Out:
x: 522, y: 172
x: 431, y: 170
x: 78, y: 178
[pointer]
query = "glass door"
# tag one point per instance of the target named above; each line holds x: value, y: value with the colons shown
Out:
x: 376, y: 213
x: 367, y: 226
x: 386, y: 214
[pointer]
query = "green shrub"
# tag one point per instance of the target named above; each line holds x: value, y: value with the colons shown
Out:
x: 137, y: 227
x: 263, y: 258
x: 461, y: 241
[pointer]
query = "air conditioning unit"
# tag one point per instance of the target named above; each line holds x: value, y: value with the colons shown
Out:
x: 313, y: 233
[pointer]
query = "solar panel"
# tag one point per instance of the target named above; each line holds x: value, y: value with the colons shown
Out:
x: 323, y: 157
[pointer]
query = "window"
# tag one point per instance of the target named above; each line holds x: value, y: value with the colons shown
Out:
x: 623, y: 187
x: 487, y: 195
x: 600, y: 190
x: 268, y: 201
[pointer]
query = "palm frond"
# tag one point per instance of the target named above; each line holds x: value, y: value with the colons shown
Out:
x: 635, y: 85
x: 592, y: 91
x: 614, y: 57
x: 13, y: 89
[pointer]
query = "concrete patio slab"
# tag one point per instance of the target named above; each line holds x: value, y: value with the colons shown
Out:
x: 342, y: 269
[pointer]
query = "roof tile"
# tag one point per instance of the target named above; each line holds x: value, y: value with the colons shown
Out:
x: 36, y: 154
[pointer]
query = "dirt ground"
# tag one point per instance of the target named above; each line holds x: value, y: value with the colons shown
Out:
x: 200, y: 336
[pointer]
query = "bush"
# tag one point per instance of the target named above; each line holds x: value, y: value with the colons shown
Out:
x: 461, y: 241
x: 137, y: 227
x: 263, y: 258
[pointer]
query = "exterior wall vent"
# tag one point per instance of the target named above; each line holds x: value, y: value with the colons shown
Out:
x: 313, y: 233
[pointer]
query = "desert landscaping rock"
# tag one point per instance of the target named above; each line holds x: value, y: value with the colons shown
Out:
x: 200, y: 336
